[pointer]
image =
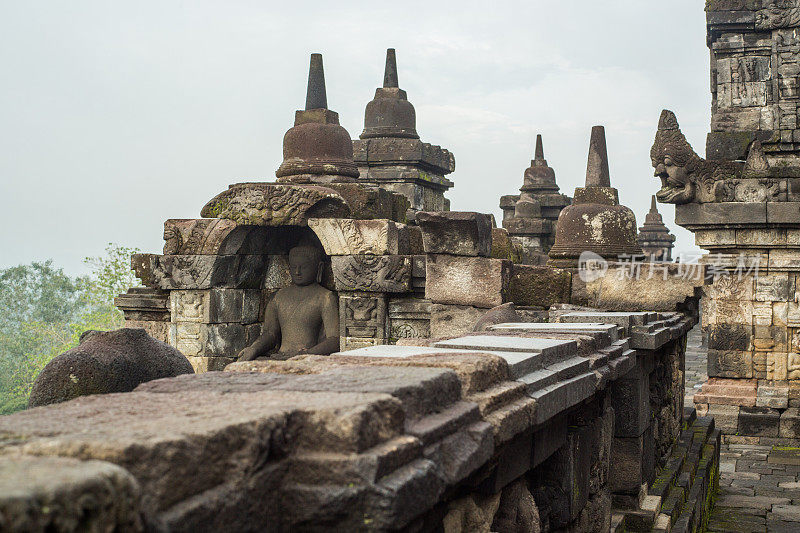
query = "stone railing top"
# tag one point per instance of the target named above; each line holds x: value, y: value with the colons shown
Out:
x: 388, y: 429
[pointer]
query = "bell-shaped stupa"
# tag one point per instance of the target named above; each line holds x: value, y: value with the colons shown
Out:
x: 595, y: 222
x: 317, y: 149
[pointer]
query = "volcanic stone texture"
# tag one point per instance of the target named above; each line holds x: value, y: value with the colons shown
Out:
x: 105, y: 362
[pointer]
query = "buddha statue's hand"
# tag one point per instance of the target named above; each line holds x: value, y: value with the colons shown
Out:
x: 247, y: 354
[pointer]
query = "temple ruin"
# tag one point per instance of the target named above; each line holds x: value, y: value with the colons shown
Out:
x: 523, y: 378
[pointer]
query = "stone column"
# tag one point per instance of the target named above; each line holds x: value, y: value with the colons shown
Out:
x: 370, y: 261
x: 462, y: 281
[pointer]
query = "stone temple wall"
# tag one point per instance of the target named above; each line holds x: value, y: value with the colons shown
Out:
x: 755, y: 68
x: 742, y: 204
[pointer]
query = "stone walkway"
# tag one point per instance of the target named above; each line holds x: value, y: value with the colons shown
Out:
x: 759, y: 485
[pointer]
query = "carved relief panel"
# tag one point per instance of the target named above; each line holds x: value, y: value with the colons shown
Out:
x: 362, y: 320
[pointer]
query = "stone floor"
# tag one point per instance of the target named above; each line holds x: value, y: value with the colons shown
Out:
x: 759, y: 485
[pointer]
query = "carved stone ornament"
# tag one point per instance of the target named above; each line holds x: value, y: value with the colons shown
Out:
x: 685, y: 176
x: 779, y: 14
x: 374, y: 273
x: 268, y: 204
x: 195, y: 236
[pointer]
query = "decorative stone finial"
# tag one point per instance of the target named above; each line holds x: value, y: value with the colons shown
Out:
x: 317, y: 149
x: 539, y: 174
x: 595, y: 222
x: 597, y: 174
x: 316, y: 97
x: 390, y: 114
x: 390, y: 72
x: 539, y: 155
x: 654, y: 236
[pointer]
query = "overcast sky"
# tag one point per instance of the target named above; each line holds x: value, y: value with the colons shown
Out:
x: 115, y: 116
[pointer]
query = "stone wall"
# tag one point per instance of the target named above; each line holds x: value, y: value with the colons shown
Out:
x: 525, y: 427
x: 755, y: 64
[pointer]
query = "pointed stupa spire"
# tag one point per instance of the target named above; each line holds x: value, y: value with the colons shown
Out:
x: 390, y: 114
x: 390, y: 72
x: 316, y: 97
x: 654, y: 236
x: 597, y: 174
x: 539, y: 155
x: 595, y: 222
x: 317, y: 149
x: 539, y: 177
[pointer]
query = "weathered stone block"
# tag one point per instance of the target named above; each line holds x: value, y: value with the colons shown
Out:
x: 196, y: 236
x: 409, y: 318
x: 790, y: 423
x: 453, y: 320
x: 61, y: 494
x: 456, y: 233
x: 630, y: 398
x: 651, y: 286
x: 159, y: 330
x: 502, y: 245
x: 719, y: 214
x: 539, y: 286
x: 374, y: 273
x: 776, y: 370
x: 345, y: 236
x: 726, y: 417
x: 758, y: 421
x: 625, y: 476
x: 268, y: 204
x: 729, y: 337
x: 362, y: 319
x: 774, y: 396
x: 772, y: 288
x: 473, y: 281
x: 207, y: 271
x: 739, y: 392
x: 730, y: 364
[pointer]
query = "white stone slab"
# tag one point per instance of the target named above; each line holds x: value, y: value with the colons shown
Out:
x: 519, y: 363
x: 511, y: 344
x: 559, y: 327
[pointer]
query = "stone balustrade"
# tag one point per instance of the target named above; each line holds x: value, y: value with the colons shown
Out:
x: 549, y: 424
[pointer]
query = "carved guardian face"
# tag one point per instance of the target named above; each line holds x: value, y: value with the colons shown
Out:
x: 676, y: 185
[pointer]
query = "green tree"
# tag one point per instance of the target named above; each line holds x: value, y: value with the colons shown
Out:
x: 43, y: 313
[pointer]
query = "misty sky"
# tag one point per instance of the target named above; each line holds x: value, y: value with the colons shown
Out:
x: 115, y: 116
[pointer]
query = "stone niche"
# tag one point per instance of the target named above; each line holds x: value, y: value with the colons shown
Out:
x: 206, y: 294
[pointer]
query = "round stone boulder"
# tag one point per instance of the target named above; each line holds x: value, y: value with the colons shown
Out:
x: 105, y: 362
x: 498, y: 315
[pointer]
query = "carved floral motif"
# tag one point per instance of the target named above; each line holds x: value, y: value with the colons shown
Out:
x: 266, y: 204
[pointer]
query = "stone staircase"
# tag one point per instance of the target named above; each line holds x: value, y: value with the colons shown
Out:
x: 681, y: 497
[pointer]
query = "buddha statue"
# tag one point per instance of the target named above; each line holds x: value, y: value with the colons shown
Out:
x: 302, y: 318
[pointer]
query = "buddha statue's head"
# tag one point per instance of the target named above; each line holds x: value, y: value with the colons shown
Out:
x: 305, y: 265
